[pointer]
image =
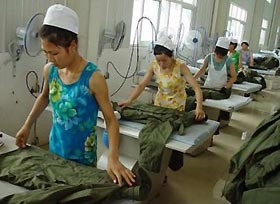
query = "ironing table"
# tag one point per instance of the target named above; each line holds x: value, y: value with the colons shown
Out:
x: 246, y: 87
x: 196, y: 139
x: 243, y: 88
x: 270, y: 72
x: 9, y: 189
x: 233, y: 103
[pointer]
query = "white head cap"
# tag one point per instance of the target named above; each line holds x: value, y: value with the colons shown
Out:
x: 233, y: 40
x: 166, y: 42
x: 62, y: 17
x: 245, y: 41
x: 223, y: 42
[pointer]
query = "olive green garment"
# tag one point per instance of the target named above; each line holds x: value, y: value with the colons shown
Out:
x: 269, y: 195
x: 221, y: 94
x: 51, y: 179
x: 256, y: 78
x: 160, y: 123
x: 256, y: 165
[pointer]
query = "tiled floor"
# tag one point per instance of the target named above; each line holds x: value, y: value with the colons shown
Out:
x: 202, y: 178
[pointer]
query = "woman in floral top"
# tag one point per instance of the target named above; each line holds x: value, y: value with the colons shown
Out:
x: 171, y: 76
x: 75, y: 89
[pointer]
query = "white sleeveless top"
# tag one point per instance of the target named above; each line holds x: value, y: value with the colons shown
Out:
x: 216, y: 79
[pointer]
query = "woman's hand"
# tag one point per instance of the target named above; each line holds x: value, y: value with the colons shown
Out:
x: 22, y: 136
x: 117, y: 171
x: 124, y: 104
x: 199, y: 114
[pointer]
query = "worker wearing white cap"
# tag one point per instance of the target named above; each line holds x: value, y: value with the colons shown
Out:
x: 75, y: 89
x: 233, y: 53
x: 171, y: 76
x: 219, y: 67
x: 246, y: 57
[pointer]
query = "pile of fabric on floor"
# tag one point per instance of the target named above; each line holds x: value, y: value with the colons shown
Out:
x: 255, y: 168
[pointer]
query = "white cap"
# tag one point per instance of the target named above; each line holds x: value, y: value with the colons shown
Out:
x: 62, y: 17
x: 223, y: 42
x: 245, y: 41
x: 166, y: 42
x: 233, y: 40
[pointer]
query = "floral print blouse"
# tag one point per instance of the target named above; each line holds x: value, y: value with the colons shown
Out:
x: 171, y: 87
x: 73, y: 134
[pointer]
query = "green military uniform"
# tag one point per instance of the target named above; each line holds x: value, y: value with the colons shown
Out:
x: 254, y: 170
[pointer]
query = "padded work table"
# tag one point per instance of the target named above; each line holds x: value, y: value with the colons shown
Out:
x: 196, y: 139
x: 9, y: 189
x: 233, y: 103
x: 194, y: 135
x: 246, y: 87
x: 270, y: 72
x: 213, y: 108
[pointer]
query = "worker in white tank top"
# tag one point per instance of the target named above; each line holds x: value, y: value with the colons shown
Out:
x: 221, y: 71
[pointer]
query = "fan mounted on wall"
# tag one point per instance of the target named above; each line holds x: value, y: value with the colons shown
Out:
x: 119, y: 36
x: 196, y: 45
x: 27, y: 39
x: 115, y: 37
x: 193, y: 40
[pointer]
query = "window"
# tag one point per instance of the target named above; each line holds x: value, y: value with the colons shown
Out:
x: 269, y: 1
x: 236, y: 21
x: 263, y: 32
x: 158, y: 11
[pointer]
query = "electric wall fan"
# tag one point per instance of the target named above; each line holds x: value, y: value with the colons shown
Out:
x: 114, y: 37
x: 193, y: 40
x: 27, y: 38
x: 189, y: 46
x: 195, y: 45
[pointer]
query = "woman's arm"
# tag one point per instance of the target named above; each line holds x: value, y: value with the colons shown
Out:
x: 115, y: 169
x: 39, y: 106
x: 139, y: 89
x: 251, y: 62
x: 233, y: 76
x: 202, y: 69
x: 198, y: 93
x: 240, y: 61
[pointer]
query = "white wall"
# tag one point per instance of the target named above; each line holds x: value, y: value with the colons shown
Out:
x: 15, y: 100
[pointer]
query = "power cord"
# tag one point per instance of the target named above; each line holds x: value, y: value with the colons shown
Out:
x: 131, y: 55
x: 35, y: 88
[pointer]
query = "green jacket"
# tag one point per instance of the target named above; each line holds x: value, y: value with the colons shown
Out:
x: 51, y: 179
x: 254, y: 169
x: 160, y: 123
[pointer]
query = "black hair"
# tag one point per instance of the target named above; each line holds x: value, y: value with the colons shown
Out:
x: 58, y: 36
x: 221, y: 51
x: 158, y: 50
x: 235, y: 44
x: 245, y: 43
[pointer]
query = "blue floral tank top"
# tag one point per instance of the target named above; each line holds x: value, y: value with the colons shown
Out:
x: 73, y: 134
